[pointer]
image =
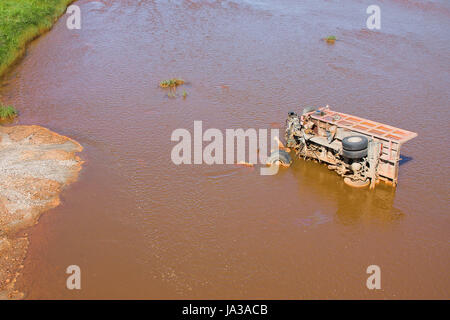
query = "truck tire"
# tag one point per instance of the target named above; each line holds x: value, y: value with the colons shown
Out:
x: 356, y: 184
x: 280, y: 155
x: 358, y: 154
x: 355, y: 143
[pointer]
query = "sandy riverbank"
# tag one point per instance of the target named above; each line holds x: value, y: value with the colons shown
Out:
x: 35, y: 165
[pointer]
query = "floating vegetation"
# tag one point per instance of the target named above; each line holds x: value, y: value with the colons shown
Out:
x: 7, y: 112
x: 330, y: 39
x: 172, y: 85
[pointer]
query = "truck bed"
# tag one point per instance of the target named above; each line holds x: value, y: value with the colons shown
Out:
x: 364, y: 126
x: 390, y: 137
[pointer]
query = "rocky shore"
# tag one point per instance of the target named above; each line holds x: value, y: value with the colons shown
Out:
x: 35, y: 166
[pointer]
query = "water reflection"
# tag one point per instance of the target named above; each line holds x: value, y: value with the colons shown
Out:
x: 354, y: 205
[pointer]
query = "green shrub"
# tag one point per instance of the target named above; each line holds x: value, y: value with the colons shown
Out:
x: 7, y: 112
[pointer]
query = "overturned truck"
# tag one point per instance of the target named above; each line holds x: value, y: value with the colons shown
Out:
x: 362, y: 151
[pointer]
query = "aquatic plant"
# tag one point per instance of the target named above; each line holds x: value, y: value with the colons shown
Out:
x: 330, y: 39
x: 7, y: 112
x: 171, y: 83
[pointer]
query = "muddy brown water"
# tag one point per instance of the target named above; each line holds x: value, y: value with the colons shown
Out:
x: 142, y: 227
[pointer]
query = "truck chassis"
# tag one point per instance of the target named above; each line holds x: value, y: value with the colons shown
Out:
x: 362, y: 151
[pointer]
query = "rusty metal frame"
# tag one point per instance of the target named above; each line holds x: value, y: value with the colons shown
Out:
x: 364, y: 126
x: 392, y: 138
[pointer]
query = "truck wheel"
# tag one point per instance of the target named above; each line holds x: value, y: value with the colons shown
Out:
x: 280, y: 155
x: 357, y: 183
x: 354, y: 154
x: 355, y: 143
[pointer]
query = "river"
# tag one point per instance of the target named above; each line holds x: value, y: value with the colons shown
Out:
x: 141, y: 227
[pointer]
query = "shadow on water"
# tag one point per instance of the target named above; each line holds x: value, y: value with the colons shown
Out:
x: 354, y: 205
x: 404, y: 159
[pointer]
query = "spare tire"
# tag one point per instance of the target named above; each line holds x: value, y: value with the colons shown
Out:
x: 279, y: 155
x: 355, y: 143
x: 358, y: 154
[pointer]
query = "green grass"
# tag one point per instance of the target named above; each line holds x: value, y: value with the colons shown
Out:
x: 23, y: 20
x: 7, y: 112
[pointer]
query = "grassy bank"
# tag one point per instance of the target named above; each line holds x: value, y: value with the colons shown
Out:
x: 23, y: 20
